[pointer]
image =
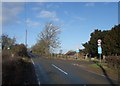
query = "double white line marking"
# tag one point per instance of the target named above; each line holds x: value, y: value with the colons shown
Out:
x: 60, y: 69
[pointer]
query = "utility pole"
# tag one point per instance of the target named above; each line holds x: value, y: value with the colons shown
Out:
x: 26, y: 25
x: 26, y: 39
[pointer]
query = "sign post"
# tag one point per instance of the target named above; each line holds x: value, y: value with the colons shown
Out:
x: 99, y: 48
x: 77, y: 51
x: 99, y: 52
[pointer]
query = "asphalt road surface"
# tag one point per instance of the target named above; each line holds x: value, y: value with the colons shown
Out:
x: 0, y: 73
x: 50, y: 71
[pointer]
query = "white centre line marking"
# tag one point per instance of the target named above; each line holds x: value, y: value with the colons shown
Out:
x: 60, y: 69
x: 36, y: 73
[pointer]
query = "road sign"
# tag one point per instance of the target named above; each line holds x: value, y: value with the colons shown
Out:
x: 99, y: 44
x: 99, y: 50
x: 99, y: 41
x: 77, y: 50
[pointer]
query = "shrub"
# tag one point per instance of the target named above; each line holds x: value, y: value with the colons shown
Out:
x: 6, y: 54
x: 113, y: 61
x: 20, y: 50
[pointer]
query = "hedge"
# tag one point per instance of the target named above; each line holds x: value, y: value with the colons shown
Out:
x: 113, y: 61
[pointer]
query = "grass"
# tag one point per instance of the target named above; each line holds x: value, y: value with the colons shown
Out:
x: 94, y: 65
x: 18, y: 71
x: 25, y: 59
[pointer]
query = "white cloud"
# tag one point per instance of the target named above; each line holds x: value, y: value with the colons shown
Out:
x: 51, y: 5
x: 18, y: 22
x: 0, y: 18
x: 39, y: 3
x: 90, y: 4
x: 80, y: 18
x: 36, y: 8
x: 47, y: 14
x: 66, y: 12
x: 31, y: 23
x: 10, y: 12
x: 60, y: 0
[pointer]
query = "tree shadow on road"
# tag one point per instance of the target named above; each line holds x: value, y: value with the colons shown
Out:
x: 105, y: 74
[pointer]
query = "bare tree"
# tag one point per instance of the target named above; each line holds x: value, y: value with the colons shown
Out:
x: 48, y: 39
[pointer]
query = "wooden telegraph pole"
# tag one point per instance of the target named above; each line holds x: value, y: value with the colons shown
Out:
x: 26, y: 39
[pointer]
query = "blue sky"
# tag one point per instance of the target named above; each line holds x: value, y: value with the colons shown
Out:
x: 75, y: 19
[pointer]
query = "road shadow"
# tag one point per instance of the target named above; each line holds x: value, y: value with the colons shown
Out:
x: 31, y: 55
x: 118, y: 75
x: 105, y: 74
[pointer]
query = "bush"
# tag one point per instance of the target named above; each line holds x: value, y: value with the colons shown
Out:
x: 20, y: 50
x: 6, y: 54
x: 113, y: 61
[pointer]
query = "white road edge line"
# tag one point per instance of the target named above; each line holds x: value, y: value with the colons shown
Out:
x: 35, y: 72
x: 60, y: 69
x: 32, y: 62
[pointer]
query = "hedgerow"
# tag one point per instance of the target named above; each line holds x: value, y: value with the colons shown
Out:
x: 113, y: 61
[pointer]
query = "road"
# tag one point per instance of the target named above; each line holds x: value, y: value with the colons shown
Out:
x: 51, y: 71
x: 0, y: 73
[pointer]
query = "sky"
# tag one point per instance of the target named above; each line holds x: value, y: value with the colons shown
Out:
x: 75, y: 19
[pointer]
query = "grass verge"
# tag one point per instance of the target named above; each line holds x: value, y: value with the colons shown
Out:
x: 18, y: 71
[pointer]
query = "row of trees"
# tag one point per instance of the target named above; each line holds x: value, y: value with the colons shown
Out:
x: 9, y: 46
x: 48, y: 40
x: 110, y: 42
x: 7, y: 42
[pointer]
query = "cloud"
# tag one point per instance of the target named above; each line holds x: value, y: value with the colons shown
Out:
x: 36, y: 8
x: 10, y: 12
x: 79, y: 18
x: 0, y: 15
x: 90, y: 4
x: 51, y: 5
x: 31, y: 23
x: 59, y: 0
x: 0, y: 18
x: 66, y: 12
x: 48, y: 14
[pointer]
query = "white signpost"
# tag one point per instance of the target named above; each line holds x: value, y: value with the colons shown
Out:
x: 99, y: 48
x: 77, y: 51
